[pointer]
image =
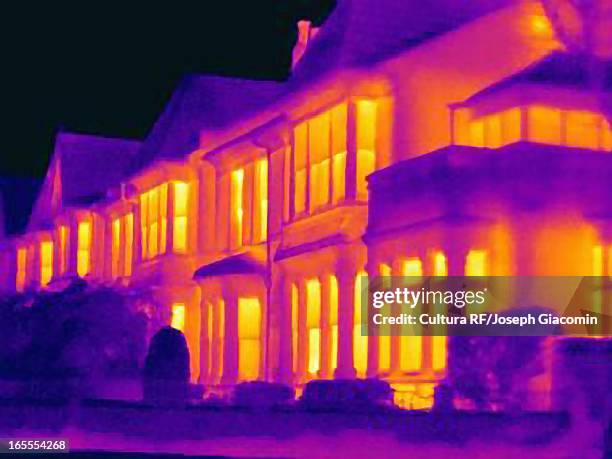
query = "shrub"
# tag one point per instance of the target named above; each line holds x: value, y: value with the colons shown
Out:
x: 71, y: 339
x: 166, y: 368
x: 491, y: 371
x: 347, y: 394
x: 262, y: 394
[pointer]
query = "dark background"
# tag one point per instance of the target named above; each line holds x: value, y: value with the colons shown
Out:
x: 100, y: 69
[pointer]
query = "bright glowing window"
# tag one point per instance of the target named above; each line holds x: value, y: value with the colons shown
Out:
x: 496, y: 130
x: 261, y: 198
x: 20, y: 275
x: 178, y: 316
x: 63, y: 249
x: 582, y: 129
x: 300, y: 159
x: 236, y: 204
x: 116, y: 248
x: 84, y: 248
x: 411, y: 344
x: 366, y: 145
x: 313, y: 324
x: 294, y: 326
x: 249, y: 342
x: 360, y: 342
x: 476, y: 263
x: 412, y: 267
x: 129, y: 243
x: 153, y: 216
x: 319, y: 147
x: 544, y: 124
x: 181, y: 200
x: 333, y: 320
x: 319, y: 151
x: 384, y: 340
x: 46, y: 262
x: 440, y: 264
x: 439, y: 342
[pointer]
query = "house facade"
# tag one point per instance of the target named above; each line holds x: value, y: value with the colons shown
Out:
x: 408, y: 141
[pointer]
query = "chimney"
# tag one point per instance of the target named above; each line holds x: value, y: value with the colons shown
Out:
x: 306, y: 32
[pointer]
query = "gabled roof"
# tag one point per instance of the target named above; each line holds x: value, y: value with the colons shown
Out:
x: 204, y: 103
x: 559, y: 68
x: 83, y: 168
x: 363, y: 32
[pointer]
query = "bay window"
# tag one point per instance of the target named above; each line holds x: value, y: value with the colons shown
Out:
x: 153, y: 221
x: 320, y: 150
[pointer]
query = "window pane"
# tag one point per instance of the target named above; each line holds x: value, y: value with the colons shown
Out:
x: 300, y: 191
x: 338, y: 127
x: 178, y: 316
x: 366, y: 125
x: 236, y: 196
x: 476, y: 263
x: 319, y: 138
x: 249, y: 332
x: 46, y: 262
x: 319, y: 184
x: 360, y: 342
x: 20, y: 278
x: 115, y: 246
x: 84, y: 248
x: 339, y: 166
x: 365, y: 166
x: 544, y: 125
x: 129, y: 243
x: 313, y: 321
x: 582, y: 129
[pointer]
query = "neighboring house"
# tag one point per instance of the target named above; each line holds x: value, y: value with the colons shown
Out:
x: 247, y: 216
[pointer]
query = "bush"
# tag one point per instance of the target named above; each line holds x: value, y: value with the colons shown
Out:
x: 347, y: 394
x: 71, y: 339
x: 492, y: 371
x: 262, y: 394
x: 166, y: 369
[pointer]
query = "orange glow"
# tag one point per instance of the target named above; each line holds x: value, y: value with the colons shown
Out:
x: 544, y: 124
x: 261, y: 191
x: 178, y: 316
x: 249, y: 338
x: 294, y: 326
x: 300, y: 158
x: 181, y: 199
x: 129, y: 243
x: 496, y: 130
x: 46, y: 262
x: 440, y: 264
x: 115, y: 247
x: 582, y: 129
x: 384, y: 340
x: 476, y: 263
x: 360, y: 342
x: 333, y: 320
x: 439, y: 343
x: 20, y: 277
x: 411, y: 345
x: 84, y: 248
x: 319, y: 153
x: 63, y: 249
x: 413, y: 267
x: 319, y: 147
x: 338, y: 151
x: 313, y: 324
x: 366, y: 145
x: 540, y: 25
x: 236, y: 203
x: 153, y: 221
